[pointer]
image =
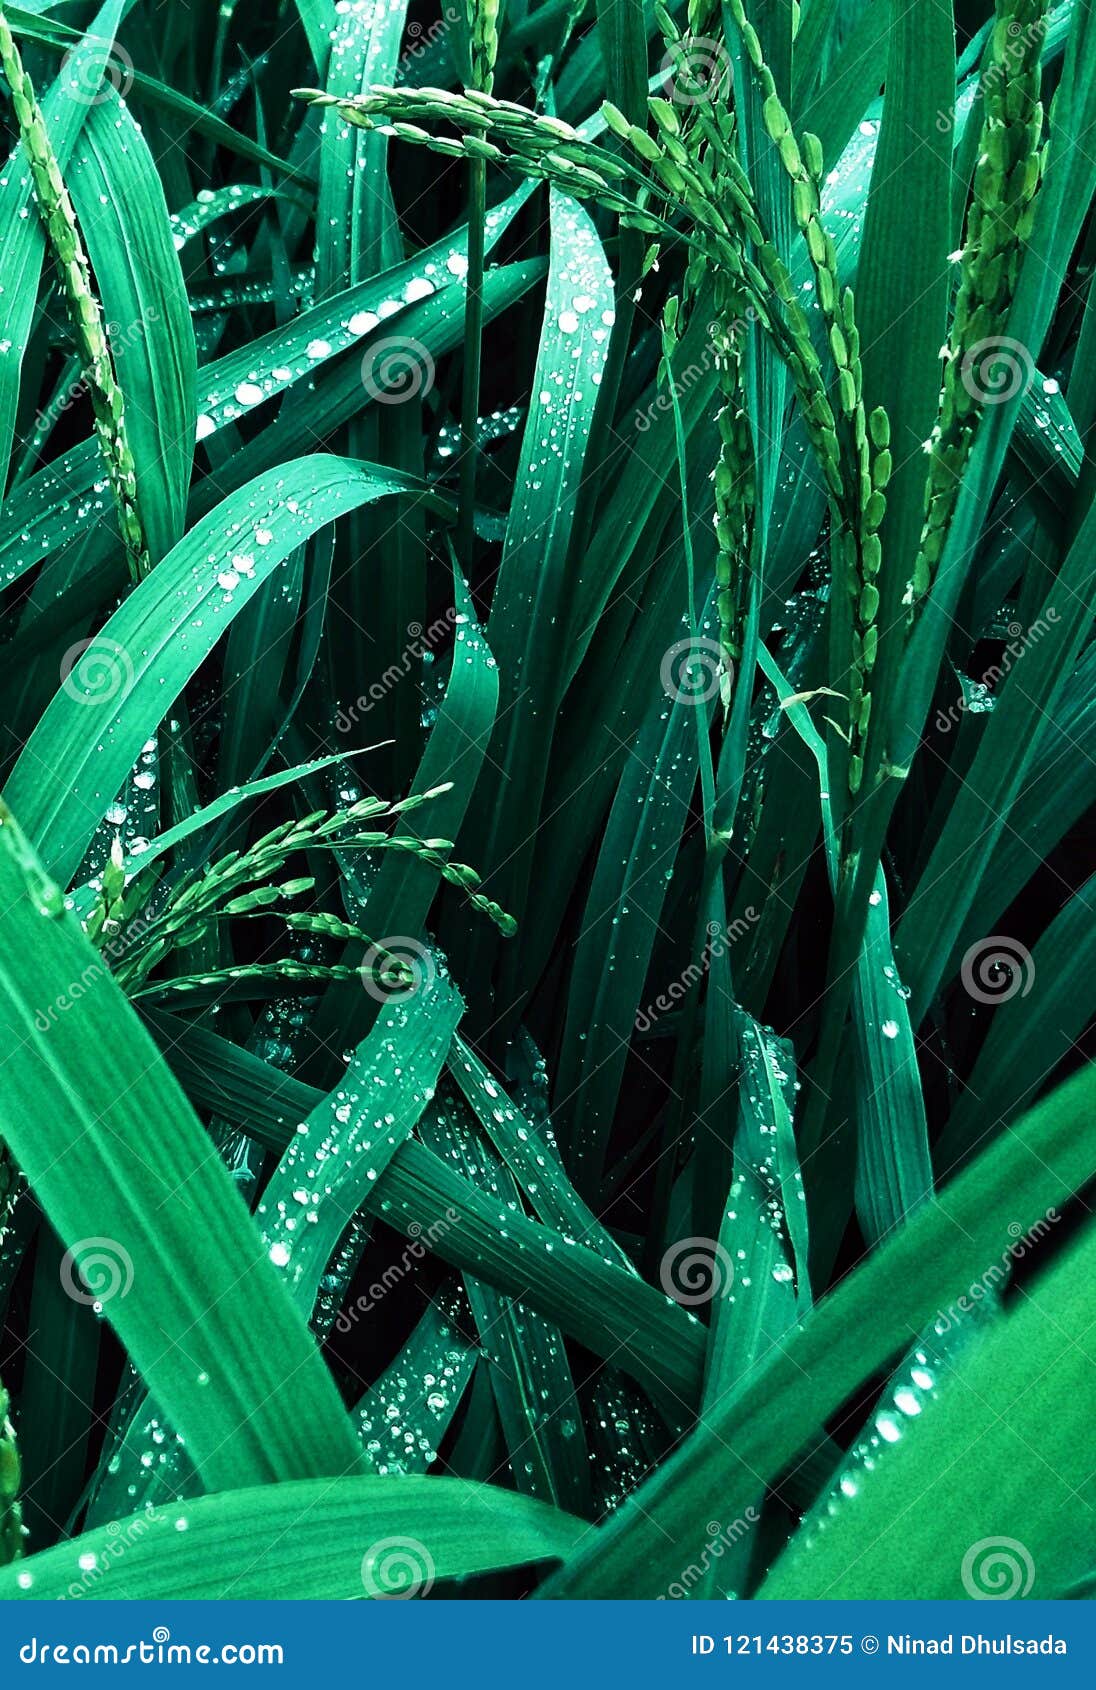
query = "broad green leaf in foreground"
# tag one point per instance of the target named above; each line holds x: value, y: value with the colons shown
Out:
x: 854, y: 1332
x: 123, y: 1170
x: 328, y: 1540
x: 950, y: 1502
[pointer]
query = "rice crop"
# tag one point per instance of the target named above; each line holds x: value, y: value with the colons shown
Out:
x: 546, y: 950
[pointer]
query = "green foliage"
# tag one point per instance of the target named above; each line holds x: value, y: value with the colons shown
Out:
x: 11, y: 1533
x: 652, y: 448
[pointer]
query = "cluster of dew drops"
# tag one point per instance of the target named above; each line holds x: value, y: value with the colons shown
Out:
x: 322, y: 1157
x: 893, y: 1418
x: 402, y: 1418
x: 762, y: 1058
x: 334, y: 330
x: 581, y: 297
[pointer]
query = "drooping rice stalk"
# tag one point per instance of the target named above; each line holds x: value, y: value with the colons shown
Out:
x: 136, y: 931
x: 725, y: 226
x: 857, y: 483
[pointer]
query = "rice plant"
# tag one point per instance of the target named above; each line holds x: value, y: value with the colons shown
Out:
x: 546, y: 956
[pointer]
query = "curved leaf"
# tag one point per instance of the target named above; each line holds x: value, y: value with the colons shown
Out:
x: 138, y: 664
